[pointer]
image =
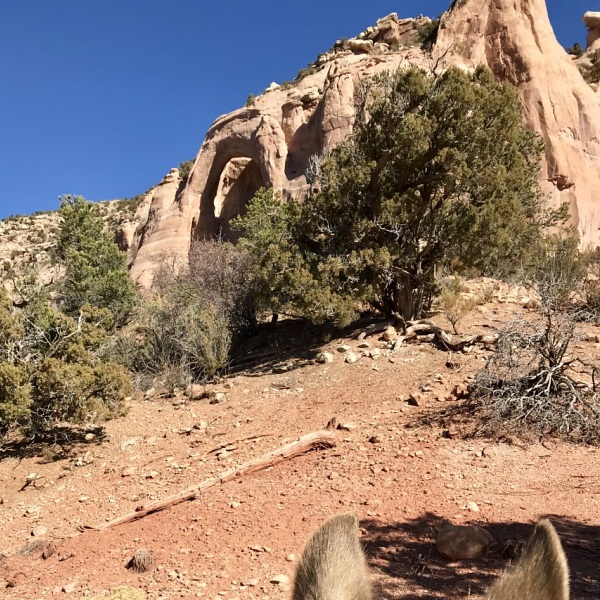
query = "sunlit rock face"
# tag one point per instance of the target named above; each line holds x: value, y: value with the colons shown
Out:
x: 270, y: 142
x: 516, y: 41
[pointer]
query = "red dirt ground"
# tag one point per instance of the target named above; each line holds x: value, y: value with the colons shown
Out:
x: 402, y: 477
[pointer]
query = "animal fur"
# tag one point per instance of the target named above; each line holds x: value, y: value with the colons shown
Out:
x: 540, y: 574
x: 333, y: 566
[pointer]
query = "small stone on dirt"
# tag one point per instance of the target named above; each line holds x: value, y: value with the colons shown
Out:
x: 351, y: 358
x: 375, y: 439
x: 414, y: 399
x: 472, y: 506
x: 280, y: 579
x: 218, y: 398
x: 324, y: 357
x: 69, y: 588
x: 343, y: 348
x: 346, y: 426
x: 290, y: 557
x: 364, y: 345
x: 463, y: 542
x: 39, y: 531
x: 390, y: 334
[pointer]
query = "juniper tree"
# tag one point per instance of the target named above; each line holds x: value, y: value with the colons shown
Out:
x: 438, y: 168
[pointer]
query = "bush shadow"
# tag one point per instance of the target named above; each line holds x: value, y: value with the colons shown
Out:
x: 407, y: 565
x: 289, y: 344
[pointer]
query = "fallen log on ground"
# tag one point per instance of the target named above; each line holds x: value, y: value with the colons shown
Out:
x: 447, y: 341
x: 311, y: 441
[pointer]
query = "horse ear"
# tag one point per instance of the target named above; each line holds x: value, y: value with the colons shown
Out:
x: 541, y: 572
x: 333, y: 565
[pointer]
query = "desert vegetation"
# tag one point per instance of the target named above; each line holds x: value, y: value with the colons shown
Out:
x: 437, y: 182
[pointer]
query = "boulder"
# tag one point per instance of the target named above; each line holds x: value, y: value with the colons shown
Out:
x: 463, y: 542
x: 592, y: 22
x: 360, y: 46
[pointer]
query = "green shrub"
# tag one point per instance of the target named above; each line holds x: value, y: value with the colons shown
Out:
x: 428, y: 34
x: 15, y: 396
x: 438, y: 170
x: 53, y: 368
x: 251, y: 100
x: 575, y: 49
x: 95, y: 269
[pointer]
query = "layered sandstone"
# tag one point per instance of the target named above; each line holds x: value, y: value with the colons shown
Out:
x: 270, y: 142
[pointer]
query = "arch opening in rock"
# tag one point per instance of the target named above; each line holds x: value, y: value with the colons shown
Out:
x: 239, y: 181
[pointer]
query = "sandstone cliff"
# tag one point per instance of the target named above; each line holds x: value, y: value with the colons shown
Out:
x: 516, y: 41
x: 270, y: 142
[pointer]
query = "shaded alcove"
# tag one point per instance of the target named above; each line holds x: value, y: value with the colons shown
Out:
x: 239, y: 181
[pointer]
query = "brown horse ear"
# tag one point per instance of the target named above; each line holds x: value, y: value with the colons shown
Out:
x: 333, y: 565
x: 541, y: 572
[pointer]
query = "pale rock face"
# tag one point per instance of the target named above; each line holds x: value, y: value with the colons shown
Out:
x: 592, y: 22
x: 271, y: 142
x: 147, y: 248
x: 517, y: 43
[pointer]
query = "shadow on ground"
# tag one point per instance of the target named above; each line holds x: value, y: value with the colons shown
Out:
x: 407, y: 566
x: 289, y: 344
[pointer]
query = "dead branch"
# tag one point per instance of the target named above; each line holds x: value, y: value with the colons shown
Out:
x: 311, y: 441
x: 444, y: 339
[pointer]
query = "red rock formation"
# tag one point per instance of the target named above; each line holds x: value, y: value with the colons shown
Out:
x: 275, y: 137
x: 515, y: 40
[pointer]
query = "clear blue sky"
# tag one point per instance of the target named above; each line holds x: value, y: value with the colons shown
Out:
x: 102, y: 98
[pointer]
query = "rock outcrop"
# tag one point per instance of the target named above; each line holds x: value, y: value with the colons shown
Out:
x: 270, y: 142
x: 592, y: 22
x: 267, y: 143
x: 517, y: 43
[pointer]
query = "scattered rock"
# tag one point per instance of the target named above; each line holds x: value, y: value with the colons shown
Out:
x: 280, y: 579
x: 343, y: 348
x: 390, y: 334
x: 414, y: 399
x: 346, y: 426
x: 364, y: 344
x: 39, y: 531
x: 141, y: 561
x: 351, y: 358
x: 324, y: 357
x: 461, y: 391
x: 290, y: 557
x: 472, y: 506
x: 463, y: 542
x: 69, y: 588
x: 90, y: 437
x: 375, y: 439
x: 218, y: 398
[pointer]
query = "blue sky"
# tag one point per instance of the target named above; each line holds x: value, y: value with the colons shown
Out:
x: 102, y: 98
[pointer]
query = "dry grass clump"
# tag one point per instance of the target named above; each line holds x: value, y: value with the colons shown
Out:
x: 533, y: 385
x: 454, y: 303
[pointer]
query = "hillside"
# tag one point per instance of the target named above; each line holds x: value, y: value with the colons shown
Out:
x: 404, y: 469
